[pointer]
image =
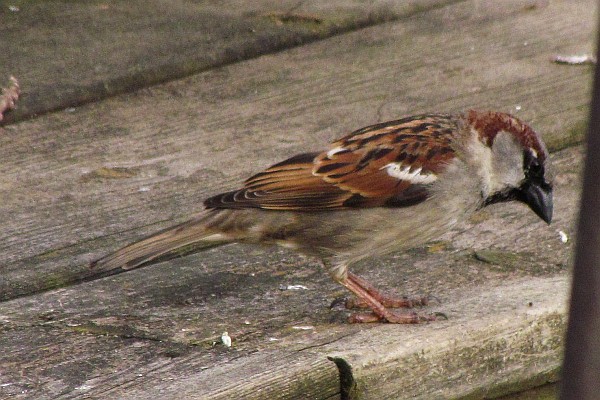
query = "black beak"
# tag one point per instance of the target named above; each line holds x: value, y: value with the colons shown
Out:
x: 538, y: 196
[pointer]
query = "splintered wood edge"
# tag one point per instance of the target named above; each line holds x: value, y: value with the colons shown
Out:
x: 263, y: 375
x: 511, y: 346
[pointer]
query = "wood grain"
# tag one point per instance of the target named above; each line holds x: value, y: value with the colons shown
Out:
x: 69, y: 56
x: 80, y: 183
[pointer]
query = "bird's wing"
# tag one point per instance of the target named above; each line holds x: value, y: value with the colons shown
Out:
x: 390, y: 164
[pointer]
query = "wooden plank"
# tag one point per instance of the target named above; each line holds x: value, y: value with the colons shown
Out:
x: 151, y: 332
x: 489, y: 350
x: 62, y: 208
x: 65, y: 56
x: 78, y: 184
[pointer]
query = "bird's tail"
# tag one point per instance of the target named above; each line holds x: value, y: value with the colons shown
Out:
x: 197, y: 234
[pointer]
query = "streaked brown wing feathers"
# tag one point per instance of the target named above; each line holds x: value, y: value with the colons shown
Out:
x: 387, y: 164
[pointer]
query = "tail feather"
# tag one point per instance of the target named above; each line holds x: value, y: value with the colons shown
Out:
x: 189, y: 237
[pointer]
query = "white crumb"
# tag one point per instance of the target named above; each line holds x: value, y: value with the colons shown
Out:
x: 304, y: 328
x: 226, y: 339
x: 574, y: 60
x: 293, y: 287
x: 563, y: 236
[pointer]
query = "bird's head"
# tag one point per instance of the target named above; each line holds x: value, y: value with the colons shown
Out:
x: 513, y: 162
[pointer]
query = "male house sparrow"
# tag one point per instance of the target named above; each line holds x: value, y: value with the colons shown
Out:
x: 383, y: 188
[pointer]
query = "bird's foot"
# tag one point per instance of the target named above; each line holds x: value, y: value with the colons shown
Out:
x: 383, y: 299
x: 369, y: 297
x: 396, y: 317
x: 389, y: 301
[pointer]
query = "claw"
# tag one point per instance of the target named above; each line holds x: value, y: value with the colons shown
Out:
x: 441, y: 314
x: 338, y: 302
x: 353, y: 302
x: 389, y: 302
x: 363, y: 318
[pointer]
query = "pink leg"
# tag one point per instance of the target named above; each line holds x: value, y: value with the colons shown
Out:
x: 379, y: 311
x: 385, y: 300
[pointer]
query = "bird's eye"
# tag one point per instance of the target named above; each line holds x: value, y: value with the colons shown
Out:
x: 532, y: 166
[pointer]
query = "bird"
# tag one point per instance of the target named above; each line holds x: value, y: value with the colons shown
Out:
x: 385, y: 188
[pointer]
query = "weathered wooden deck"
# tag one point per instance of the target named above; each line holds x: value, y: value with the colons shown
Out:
x: 81, y: 181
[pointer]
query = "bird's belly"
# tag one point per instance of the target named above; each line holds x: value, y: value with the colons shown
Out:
x: 394, y: 230
x: 347, y: 236
x: 350, y: 235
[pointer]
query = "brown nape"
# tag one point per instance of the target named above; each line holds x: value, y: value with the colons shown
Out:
x: 490, y: 123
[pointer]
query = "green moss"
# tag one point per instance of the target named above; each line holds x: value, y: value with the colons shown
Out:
x: 502, y: 261
x: 281, y: 18
x: 162, y: 170
x: 122, y: 331
x: 55, y: 281
x: 508, y: 358
x: 497, y: 257
x: 203, y: 343
x: 545, y: 392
